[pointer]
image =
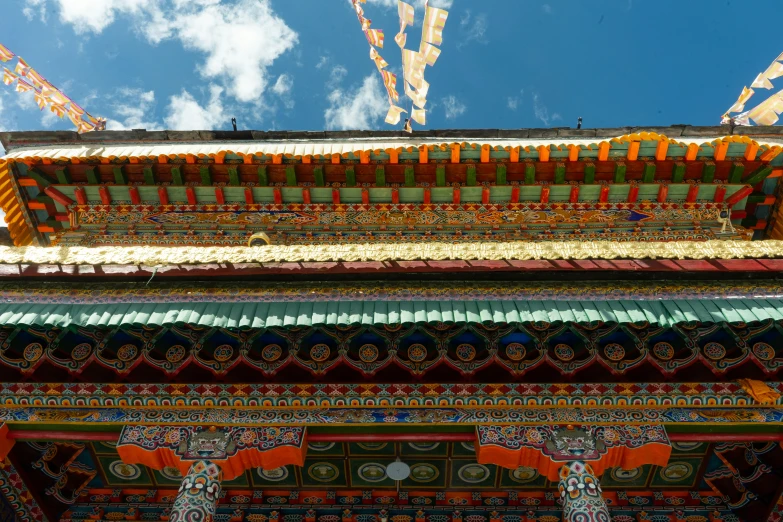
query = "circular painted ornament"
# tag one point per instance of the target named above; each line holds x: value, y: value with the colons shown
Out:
x: 372, y: 472
x: 323, y: 472
x: 223, y: 352
x: 473, y: 473
x: 80, y: 352
x: 663, y: 351
x: 614, y: 352
x: 714, y: 351
x: 320, y: 352
x: 175, y: 353
x: 564, y: 352
x: 417, y: 352
x: 466, y: 352
x: 763, y: 351
x: 271, y: 352
x: 273, y: 475
x: 424, y: 473
x: 127, y: 352
x: 171, y: 473
x: 515, y: 351
x: 124, y: 471
x: 676, y: 471
x: 32, y: 352
x: 523, y: 474
x: 368, y: 353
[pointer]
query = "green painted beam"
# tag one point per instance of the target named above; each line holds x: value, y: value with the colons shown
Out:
x: 530, y: 173
x: 560, y: 172
x: 380, y: 176
x: 649, y: 173
x: 757, y: 197
x: 176, y: 176
x: 41, y: 198
x: 440, y: 176
x: 119, y: 176
x: 735, y: 173
x: 92, y: 177
x: 149, y: 176
x: 206, y: 176
x: 619, y: 172
x: 410, y: 177
x: 471, y: 176
x: 233, y: 177
x: 589, y: 173
x: 500, y: 174
x: 41, y: 178
x: 678, y: 173
x: 63, y: 177
x: 290, y: 176
x: 263, y: 179
x: 350, y: 177
x: 708, y: 172
x: 758, y: 175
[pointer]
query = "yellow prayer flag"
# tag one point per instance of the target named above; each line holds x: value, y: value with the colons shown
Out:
x: 21, y: 67
x: 419, y: 116
x: 23, y: 86
x: 390, y: 82
x: 739, y: 105
x: 764, y: 113
x: 419, y: 99
x: 761, y: 81
x: 8, y: 76
x: 429, y: 52
x: 406, y: 13
x: 393, y: 116
x: 775, y: 70
x: 5, y: 53
x: 59, y: 110
x: 41, y: 100
x: 434, y: 22
x: 380, y: 63
x: 401, y: 38
x: 375, y: 37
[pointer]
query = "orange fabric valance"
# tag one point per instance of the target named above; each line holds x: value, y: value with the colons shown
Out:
x: 547, y: 448
x: 234, y: 449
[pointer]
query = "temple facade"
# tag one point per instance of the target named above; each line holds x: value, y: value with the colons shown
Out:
x: 448, y: 326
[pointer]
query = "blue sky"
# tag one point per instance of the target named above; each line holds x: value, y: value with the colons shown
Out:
x: 303, y: 64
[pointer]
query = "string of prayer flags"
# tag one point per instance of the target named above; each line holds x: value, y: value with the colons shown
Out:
x: 766, y: 113
x: 5, y: 54
x: 739, y: 105
x: 762, y: 82
x: 419, y: 116
x: 27, y: 79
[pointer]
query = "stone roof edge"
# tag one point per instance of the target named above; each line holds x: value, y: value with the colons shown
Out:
x: 18, y: 139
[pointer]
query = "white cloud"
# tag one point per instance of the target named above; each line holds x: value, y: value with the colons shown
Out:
x: 542, y: 112
x: 35, y: 7
x: 547, y: 9
x: 49, y: 119
x: 282, y: 88
x: 358, y: 109
x: 513, y: 101
x: 336, y: 76
x: 473, y: 28
x: 453, y: 107
x: 185, y: 113
x: 133, y: 109
x: 240, y: 40
x: 322, y: 62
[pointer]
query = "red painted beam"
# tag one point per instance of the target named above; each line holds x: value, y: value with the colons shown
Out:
x: 693, y: 193
x: 335, y: 196
x: 249, y: 196
x: 603, y: 196
x: 427, y: 196
x: 277, y: 194
x: 544, y: 194
x: 515, y: 194
x: 81, y: 196
x: 58, y: 196
x: 134, y: 195
x: 720, y: 194
x: 366, y: 197
x: 663, y: 192
x: 633, y: 194
x: 191, y: 195
x: 306, y: 196
x: 105, y: 196
x: 163, y: 195
x: 220, y: 197
x: 456, y: 197
x: 739, y: 196
x: 574, y: 196
x: 485, y: 196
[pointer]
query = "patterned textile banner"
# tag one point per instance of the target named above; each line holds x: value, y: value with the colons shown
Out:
x: 234, y: 449
x: 547, y: 448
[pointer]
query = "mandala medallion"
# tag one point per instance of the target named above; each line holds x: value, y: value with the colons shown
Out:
x: 127, y: 352
x: 714, y: 351
x: 320, y: 352
x: 473, y: 473
x: 417, y: 352
x: 273, y: 475
x: 372, y: 472
x: 663, y: 351
x: 466, y: 352
x: 564, y: 352
x: 368, y: 353
x: 32, y: 352
x: 323, y: 472
x: 81, y: 351
x: 515, y: 351
x: 763, y: 351
x: 271, y: 352
x: 614, y: 352
x: 175, y: 353
x: 223, y: 352
x: 424, y: 473
x: 124, y: 471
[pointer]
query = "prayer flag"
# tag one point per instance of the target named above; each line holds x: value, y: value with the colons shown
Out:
x: 429, y: 52
x: 401, y: 38
x: 739, y: 105
x: 761, y: 81
x: 419, y: 116
x: 434, y: 22
x: 41, y: 100
x: 775, y: 70
x: 375, y: 37
x: 393, y: 116
x: 23, y: 86
x: 59, y: 110
x: 21, y: 67
x: 5, y: 53
x: 406, y: 13
x: 8, y: 76
x: 380, y: 63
